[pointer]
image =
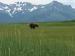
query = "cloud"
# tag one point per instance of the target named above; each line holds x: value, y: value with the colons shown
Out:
x: 69, y: 2
x: 31, y: 1
x: 8, y: 1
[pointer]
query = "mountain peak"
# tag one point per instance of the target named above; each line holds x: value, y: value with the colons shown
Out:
x: 55, y: 3
x: 22, y: 3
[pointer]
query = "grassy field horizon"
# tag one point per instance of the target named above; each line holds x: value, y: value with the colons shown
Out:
x: 50, y: 39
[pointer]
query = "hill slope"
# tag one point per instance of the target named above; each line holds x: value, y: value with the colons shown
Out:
x: 48, y: 40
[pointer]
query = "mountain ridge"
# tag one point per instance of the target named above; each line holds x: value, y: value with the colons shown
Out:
x: 27, y: 12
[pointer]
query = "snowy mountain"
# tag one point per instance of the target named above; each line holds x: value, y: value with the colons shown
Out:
x: 27, y: 12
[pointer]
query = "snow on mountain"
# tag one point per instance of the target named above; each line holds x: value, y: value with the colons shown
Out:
x: 1, y: 9
x: 18, y: 7
x: 32, y: 9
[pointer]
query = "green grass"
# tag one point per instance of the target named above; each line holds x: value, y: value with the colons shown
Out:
x: 50, y: 39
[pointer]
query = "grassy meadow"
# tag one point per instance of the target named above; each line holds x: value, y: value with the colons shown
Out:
x: 50, y: 39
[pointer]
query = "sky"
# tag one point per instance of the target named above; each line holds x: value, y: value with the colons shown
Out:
x: 69, y: 2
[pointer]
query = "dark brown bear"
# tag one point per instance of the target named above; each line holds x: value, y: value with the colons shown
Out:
x: 33, y: 26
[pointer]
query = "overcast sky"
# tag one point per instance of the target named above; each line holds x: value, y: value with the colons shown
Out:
x: 71, y: 2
